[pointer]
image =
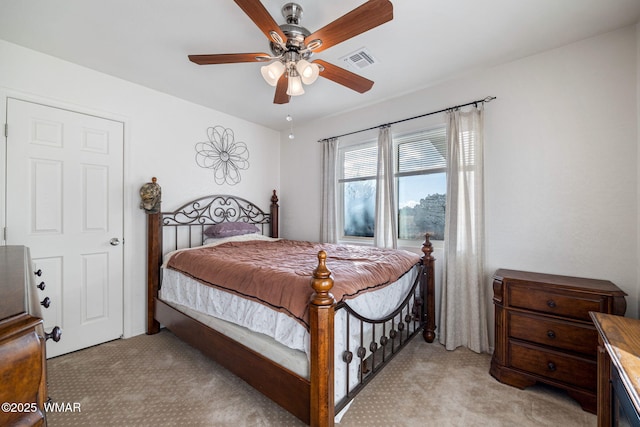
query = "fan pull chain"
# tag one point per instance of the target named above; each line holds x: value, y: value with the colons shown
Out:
x: 290, y: 120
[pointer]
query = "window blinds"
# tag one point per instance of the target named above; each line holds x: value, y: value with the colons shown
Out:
x: 360, y: 163
x: 422, y: 151
x: 416, y: 153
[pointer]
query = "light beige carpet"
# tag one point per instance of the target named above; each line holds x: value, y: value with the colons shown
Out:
x: 160, y: 381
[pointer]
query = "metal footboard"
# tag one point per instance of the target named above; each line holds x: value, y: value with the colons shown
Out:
x: 370, y: 344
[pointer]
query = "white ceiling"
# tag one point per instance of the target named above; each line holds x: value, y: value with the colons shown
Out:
x: 428, y: 41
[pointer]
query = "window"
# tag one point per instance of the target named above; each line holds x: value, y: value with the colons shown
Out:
x: 420, y: 159
x: 421, y: 183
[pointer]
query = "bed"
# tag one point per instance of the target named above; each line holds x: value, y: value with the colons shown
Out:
x: 332, y: 347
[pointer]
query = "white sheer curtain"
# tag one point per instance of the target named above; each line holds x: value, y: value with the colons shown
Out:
x: 463, y: 313
x: 385, y: 235
x: 329, y: 221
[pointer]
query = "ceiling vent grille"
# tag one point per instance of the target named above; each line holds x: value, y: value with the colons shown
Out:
x: 359, y: 59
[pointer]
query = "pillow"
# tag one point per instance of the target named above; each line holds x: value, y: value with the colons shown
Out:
x: 226, y: 229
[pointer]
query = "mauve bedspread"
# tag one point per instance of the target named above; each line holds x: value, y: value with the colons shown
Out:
x: 278, y: 273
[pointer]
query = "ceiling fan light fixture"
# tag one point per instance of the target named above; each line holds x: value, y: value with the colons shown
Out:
x: 308, y: 71
x: 272, y: 72
x: 294, y: 87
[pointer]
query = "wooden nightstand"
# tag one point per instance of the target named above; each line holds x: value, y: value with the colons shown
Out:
x: 543, y: 331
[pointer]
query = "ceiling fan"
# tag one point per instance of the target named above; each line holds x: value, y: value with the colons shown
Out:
x: 293, y: 45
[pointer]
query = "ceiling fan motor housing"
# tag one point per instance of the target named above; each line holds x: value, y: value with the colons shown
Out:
x: 292, y: 12
x: 295, y: 33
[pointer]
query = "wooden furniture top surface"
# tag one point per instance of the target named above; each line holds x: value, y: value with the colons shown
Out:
x: 621, y: 337
x: 13, y: 299
x: 560, y: 281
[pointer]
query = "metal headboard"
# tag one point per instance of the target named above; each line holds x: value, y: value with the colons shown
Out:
x: 184, y: 227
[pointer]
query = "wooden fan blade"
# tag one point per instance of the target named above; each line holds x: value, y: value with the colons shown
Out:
x: 361, y: 19
x: 281, y: 96
x: 261, y: 17
x: 344, y: 77
x: 229, y: 58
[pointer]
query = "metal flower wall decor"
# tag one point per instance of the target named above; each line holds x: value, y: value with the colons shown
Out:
x: 223, y: 154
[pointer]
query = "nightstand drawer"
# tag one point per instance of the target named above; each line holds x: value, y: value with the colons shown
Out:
x: 560, y: 334
x: 565, y: 368
x: 576, y: 306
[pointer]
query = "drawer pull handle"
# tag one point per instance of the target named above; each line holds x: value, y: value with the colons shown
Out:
x: 46, y: 302
x: 551, y: 334
x: 41, y: 286
x: 38, y: 273
x: 551, y: 303
x: 55, y: 334
x: 551, y: 366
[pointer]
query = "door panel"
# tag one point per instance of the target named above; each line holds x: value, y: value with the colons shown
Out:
x: 65, y: 201
x: 45, y: 197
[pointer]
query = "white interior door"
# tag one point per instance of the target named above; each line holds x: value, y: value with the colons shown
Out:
x: 65, y: 202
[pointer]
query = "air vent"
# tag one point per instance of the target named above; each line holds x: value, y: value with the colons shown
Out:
x: 359, y: 59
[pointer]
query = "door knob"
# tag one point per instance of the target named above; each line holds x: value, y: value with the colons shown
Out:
x: 114, y: 242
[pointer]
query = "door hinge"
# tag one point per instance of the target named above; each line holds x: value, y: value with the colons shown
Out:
x: 6, y: 130
x: 4, y: 234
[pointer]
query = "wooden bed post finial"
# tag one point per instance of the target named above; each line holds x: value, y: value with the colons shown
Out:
x: 321, y: 312
x: 322, y: 282
x: 427, y: 247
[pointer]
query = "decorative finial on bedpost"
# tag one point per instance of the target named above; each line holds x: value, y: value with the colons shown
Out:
x: 322, y: 282
x: 427, y: 247
x: 274, y: 198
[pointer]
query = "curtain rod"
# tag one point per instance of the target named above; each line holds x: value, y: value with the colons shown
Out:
x: 487, y: 99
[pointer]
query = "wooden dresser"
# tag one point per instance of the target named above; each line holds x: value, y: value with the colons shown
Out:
x: 543, y: 331
x: 23, y: 384
x: 618, y: 370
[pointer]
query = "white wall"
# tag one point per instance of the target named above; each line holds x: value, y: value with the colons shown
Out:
x: 561, y: 160
x: 160, y: 135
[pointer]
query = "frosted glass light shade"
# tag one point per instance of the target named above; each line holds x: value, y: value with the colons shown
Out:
x: 308, y: 71
x: 294, y: 87
x: 272, y: 72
